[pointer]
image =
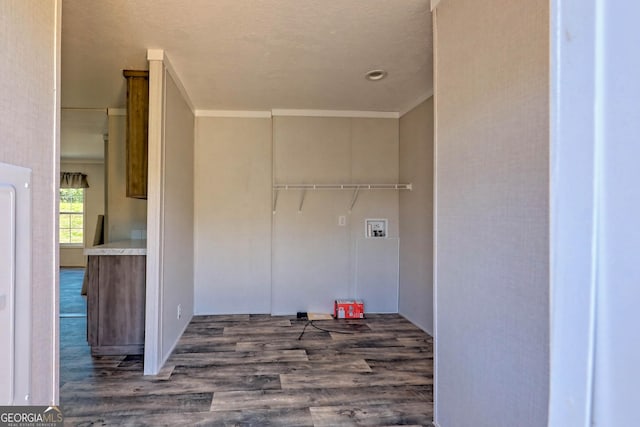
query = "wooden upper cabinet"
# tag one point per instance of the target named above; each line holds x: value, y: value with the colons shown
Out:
x: 137, y: 132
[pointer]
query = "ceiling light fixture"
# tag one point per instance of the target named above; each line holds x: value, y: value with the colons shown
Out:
x: 375, y: 75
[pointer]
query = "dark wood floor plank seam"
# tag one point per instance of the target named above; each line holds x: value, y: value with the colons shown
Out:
x: 380, y: 395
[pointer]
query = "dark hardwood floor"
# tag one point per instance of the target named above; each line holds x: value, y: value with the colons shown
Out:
x: 253, y: 370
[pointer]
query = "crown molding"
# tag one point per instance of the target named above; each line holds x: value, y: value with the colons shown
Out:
x: 417, y: 102
x: 337, y: 113
x: 116, y: 111
x: 233, y: 113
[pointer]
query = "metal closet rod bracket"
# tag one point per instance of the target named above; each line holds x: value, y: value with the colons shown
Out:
x: 356, y: 188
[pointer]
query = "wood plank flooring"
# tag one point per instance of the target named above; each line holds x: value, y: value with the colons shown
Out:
x: 72, y: 304
x: 252, y: 370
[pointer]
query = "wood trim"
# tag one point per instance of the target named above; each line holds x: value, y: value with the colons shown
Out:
x: 155, y: 54
x: 233, y: 113
x: 153, y: 327
x: 434, y: 17
x: 116, y: 111
x: 337, y: 113
x: 135, y: 73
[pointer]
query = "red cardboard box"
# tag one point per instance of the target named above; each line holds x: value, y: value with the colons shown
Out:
x: 348, y: 309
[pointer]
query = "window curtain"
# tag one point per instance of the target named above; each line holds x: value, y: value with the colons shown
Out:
x: 73, y: 180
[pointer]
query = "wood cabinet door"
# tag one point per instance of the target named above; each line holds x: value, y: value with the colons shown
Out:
x: 121, y: 304
x: 137, y: 133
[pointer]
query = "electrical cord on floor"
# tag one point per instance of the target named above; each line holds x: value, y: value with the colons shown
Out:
x: 303, y: 329
x: 310, y: 322
x: 327, y: 330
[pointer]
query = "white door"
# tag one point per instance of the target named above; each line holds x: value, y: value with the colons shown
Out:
x: 15, y: 284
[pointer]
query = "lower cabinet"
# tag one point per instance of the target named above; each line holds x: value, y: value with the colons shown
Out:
x: 116, y: 304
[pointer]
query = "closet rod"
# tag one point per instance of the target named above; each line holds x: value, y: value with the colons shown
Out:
x: 353, y: 187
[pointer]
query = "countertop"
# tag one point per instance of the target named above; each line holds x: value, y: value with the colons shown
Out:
x: 123, y: 247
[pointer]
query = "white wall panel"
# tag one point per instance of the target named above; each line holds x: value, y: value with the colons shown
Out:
x: 377, y: 274
x: 311, y: 256
x: 492, y: 213
x: 314, y: 258
x: 416, y: 216
x: 29, y: 137
x: 177, y: 199
x: 232, y: 215
x: 250, y: 260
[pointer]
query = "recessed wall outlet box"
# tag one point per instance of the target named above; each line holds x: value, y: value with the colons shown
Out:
x: 376, y: 228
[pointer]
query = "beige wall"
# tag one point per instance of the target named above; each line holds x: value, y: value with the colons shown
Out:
x: 94, y: 206
x: 233, y: 215
x: 250, y: 260
x: 124, y: 215
x: 177, y: 209
x: 492, y: 212
x: 29, y: 123
x: 416, y: 216
x: 315, y: 260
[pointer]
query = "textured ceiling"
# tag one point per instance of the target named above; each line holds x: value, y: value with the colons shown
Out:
x: 243, y: 55
x: 252, y: 54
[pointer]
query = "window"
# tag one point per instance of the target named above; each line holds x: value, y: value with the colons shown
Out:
x: 72, y: 216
